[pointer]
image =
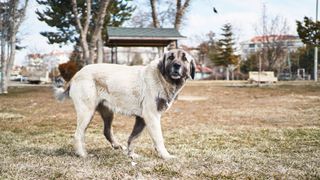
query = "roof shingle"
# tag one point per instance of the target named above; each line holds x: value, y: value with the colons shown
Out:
x: 114, y: 32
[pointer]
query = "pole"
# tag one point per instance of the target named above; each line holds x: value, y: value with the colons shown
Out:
x: 316, y: 63
x: 259, y: 73
x: 316, y: 50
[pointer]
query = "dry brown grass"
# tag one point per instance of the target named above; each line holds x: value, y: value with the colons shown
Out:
x: 217, y: 132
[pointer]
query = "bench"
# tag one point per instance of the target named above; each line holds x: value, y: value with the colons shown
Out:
x: 265, y: 77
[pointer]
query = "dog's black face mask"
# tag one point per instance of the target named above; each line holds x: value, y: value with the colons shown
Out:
x: 175, y: 67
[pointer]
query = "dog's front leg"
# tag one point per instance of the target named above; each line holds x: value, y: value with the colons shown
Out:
x: 153, y: 125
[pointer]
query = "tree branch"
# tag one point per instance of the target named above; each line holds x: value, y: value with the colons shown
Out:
x: 88, y: 14
x: 181, y: 9
x: 83, y: 29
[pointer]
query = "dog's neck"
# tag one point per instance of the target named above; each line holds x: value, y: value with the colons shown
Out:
x: 168, y: 91
x: 171, y: 90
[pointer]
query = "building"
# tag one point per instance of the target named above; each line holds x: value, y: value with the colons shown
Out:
x: 138, y: 45
x: 49, y: 60
x: 253, y: 45
x: 38, y: 66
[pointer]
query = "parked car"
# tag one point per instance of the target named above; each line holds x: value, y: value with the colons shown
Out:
x: 285, y: 76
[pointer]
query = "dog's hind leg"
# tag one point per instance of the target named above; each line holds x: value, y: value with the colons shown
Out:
x: 137, y: 129
x: 107, y: 116
x: 85, y: 105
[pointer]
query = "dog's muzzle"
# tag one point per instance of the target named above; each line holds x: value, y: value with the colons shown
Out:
x: 176, y: 71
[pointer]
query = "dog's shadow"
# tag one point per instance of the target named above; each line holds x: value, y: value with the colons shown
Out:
x: 68, y: 151
x: 42, y: 151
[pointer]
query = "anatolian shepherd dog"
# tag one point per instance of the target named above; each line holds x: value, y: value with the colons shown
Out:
x: 141, y: 91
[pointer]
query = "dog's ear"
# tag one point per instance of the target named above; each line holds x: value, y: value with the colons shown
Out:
x: 192, y: 69
x: 162, y: 65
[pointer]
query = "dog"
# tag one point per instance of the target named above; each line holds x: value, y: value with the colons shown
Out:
x: 141, y: 91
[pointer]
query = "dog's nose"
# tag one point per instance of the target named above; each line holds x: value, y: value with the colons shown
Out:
x: 176, y: 65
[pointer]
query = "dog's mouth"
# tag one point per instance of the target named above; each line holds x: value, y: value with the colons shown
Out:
x: 175, y: 75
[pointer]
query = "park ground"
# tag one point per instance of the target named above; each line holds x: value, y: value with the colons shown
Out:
x: 216, y: 130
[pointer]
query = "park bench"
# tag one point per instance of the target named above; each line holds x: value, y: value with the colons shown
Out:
x: 265, y: 77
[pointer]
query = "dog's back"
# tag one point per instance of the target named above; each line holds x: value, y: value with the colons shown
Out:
x: 118, y: 87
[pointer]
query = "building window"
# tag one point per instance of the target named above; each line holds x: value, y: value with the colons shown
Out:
x: 251, y: 45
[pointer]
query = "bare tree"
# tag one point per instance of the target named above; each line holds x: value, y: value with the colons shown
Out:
x: 171, y: 14
x: 178, y: 13
x: 273, y: 33
x: 167, y: 15
x: 11, y: 17
x: 83, y: 28
x: 141, y: 19
x: 90, y: 49
x: 181, y: 9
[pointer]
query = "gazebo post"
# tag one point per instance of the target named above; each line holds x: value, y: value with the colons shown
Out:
x: 114, y: 54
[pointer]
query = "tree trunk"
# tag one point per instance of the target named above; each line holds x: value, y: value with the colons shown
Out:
x: 4, y: 82
x: 83, y: 29
x: 85, y: 50
x: 11, y: 20
x: 89, y: 49
x: 98, y: 21
x: 3, y: 65
x: 154, y: 14
x: 11, y: 56
x: 181, y: 10
x: 100, y: 50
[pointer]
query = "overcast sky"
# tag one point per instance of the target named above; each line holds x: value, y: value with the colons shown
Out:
x: 244, y: 15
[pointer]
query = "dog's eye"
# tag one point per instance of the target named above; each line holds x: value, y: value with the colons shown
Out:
x: 184, y: 58
x: 171, y: 57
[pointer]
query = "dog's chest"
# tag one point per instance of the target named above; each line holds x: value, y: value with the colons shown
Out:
x: 162, y: 104
x: 164, y: 101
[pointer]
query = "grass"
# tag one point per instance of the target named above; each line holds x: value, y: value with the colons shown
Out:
x: 232, y: 133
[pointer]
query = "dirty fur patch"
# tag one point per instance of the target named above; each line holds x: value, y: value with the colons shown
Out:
x: 162, y: 104
x: 101, y: 84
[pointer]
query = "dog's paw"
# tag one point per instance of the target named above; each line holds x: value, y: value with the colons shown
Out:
x: 168, y: 157
x: 82, y: 154
x: 133, y: 155
x: 118, y: 146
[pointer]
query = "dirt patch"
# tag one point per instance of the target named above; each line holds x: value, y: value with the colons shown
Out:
x: 192, y: 98
x: 10, y: 116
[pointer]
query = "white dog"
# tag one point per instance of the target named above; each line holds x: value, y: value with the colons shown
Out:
x: 141, y: 91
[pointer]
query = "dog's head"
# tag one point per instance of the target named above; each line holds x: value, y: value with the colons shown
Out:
x: 177, y: 65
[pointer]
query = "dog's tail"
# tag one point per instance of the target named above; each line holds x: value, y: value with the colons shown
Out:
x: 61, y: 88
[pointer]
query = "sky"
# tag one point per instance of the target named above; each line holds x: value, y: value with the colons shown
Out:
x: 243, y: 15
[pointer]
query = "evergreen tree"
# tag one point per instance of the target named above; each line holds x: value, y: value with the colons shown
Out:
x: 224, y: 54
x: 58, y: 14
x: 304, y: 58
x: 309, y: 31
x: 250, y: 64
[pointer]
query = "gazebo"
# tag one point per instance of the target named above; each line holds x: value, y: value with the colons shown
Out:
x: 140, y: 37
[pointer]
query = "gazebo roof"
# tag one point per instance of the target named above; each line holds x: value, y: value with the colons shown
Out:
x: 159, y: 37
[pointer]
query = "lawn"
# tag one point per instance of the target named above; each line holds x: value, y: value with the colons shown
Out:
x: 216, y: 132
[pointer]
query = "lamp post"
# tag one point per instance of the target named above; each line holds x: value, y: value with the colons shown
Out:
x: 316, y: 50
